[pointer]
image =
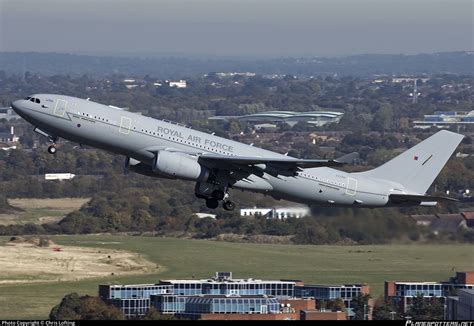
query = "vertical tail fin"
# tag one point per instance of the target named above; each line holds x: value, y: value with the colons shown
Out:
x: 417, y: 168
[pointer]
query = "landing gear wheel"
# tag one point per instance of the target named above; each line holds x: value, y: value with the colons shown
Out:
x: 200, y: 196
x: 218, y: 194
x: 228, y: 205
x: 212, y: 203
x: 52, y: 149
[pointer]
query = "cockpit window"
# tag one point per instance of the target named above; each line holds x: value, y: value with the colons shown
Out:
x: 27, y: 98
x: 32, y: 99
x: 37, y: 100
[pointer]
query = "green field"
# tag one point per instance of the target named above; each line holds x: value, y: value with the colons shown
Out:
x: 40, y: 210
x: 185, y: 258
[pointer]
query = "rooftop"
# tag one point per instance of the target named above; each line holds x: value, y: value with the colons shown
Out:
x: 336, y: 285
x: 216, y: 281
x: 285, y: 115
x: 468, y: 215
x: 221, y: 296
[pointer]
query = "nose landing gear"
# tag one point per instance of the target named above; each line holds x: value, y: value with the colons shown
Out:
x: 52, y: 149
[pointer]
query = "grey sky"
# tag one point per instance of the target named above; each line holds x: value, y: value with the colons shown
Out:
x: 236, y: 27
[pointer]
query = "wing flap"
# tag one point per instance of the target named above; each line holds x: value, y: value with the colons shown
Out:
x: 286, y: 163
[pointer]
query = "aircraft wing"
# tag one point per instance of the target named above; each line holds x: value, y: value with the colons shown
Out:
x: 402, y: 198
x: 285, y: 163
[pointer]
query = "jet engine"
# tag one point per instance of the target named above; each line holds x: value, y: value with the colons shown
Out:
x: 179, y: 166
x: 136, y: 166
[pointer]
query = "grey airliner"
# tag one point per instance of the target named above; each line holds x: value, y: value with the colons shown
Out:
x: 164, y: 149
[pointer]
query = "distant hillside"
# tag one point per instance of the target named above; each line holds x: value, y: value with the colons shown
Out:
x: 175, y: 67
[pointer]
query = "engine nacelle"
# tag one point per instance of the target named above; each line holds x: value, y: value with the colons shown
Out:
x: 179, y: 166
x: 141, y: 168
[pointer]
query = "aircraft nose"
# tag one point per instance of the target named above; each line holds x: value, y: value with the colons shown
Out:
x: 17, y: 106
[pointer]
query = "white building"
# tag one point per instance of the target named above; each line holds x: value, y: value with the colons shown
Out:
x: 8, y: 114
x: 247, y: 212
x: 178, y: 84
x: 204, y: 215
x: 9, y: 137
x: 280, y: 213
x: 232, y: 74
x: 408, y: 79
x: 444, y: 119
x: 59, y: 176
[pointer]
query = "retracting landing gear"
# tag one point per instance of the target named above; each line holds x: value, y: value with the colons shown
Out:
x: 212, y: 203
x: 213, y: 195
x: 228, y: 205
x: 52, y: 149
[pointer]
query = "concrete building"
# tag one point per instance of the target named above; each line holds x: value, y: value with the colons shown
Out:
x: 178, y: 84
x: 133, y: 300
x: 323, y: 292
x: 460, y: 307
x: 224, y: 298
x: 131, y: 83
x: 9, y: 137
x: 8, y: 114
x: 59, y: 176
x: 280, y: 213
x: 399, y: 80
x: 233, y: 74
x: 316, y: 118
x: 322, y: 315
x: 224, y: 284
x: 402, y: 293
x: 441, y: 119
x: 215, y: 304
x: 205, y: 215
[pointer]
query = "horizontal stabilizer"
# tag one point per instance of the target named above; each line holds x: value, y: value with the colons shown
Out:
x: 348, y: 158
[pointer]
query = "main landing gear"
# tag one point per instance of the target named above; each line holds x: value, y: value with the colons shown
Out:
x: 212, y: 202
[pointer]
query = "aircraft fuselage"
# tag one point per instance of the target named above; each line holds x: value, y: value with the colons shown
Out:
x: 138, y: 137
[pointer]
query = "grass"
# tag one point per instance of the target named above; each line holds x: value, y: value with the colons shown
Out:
x: 185, y: 258
x: 40, y: 211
